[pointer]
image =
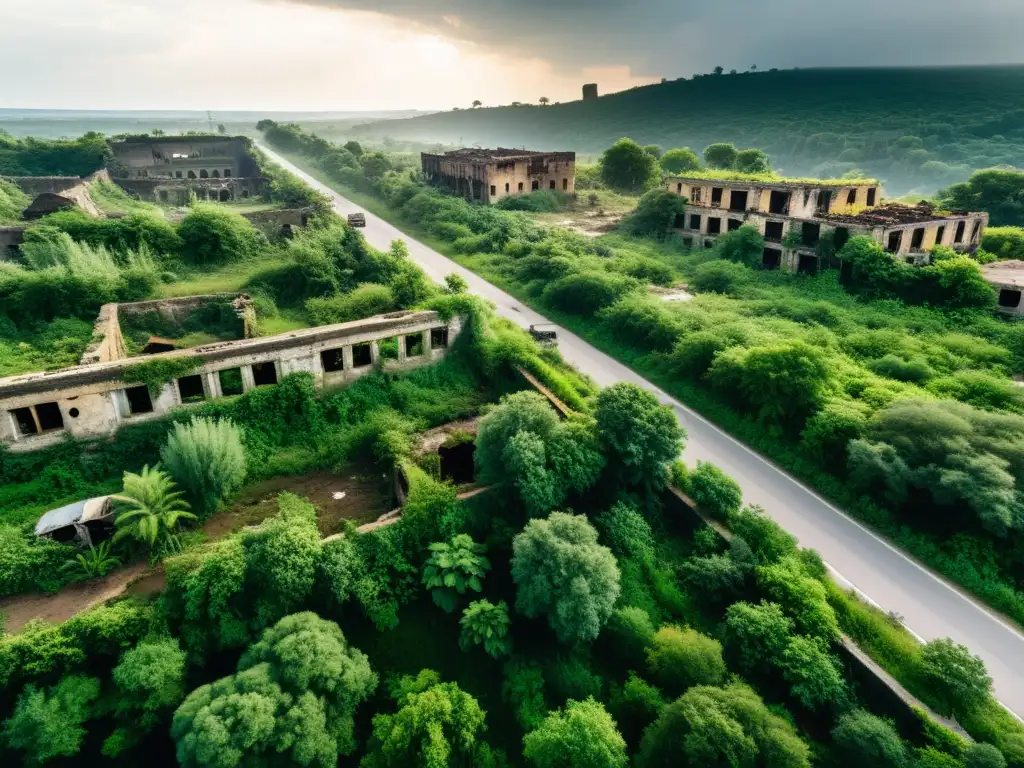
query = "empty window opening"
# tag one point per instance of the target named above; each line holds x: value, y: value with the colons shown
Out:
x: 551, y: 184
x: 939, y: 235
x: 811, y: 233
x: 738, y: 201
x: 565, y: 185
x: 230, y: 381
x: 714, y: 225
x: 414, y: 345
x: 807, y: 264
x: 25, y: 420
x: 679, y: 188
x: 734, y: 224
x: 773, y: 231
x: 520, y: 186
x: 438, y: 338
x: 975, y: 231
x: 139, y: 400
x: 778, y: 202
x: 716, y: 195
x: 688, y: 242
x: 177, y: 174
x: 506, y: 186
x: 851, y: 197
x: 494, y: 190
x: 457, y: 462
x: 49, y: 416
x: 679, y: 222
x: 245, y: 193
x: 332, y: 360
x: 361, y: 355
x: 1009, y: 298
x: 895, y: 239
x: 225, y: 195
x: 840, y: 237
x: 824, y: 200
x: 917, y: 239
x: 215, y: 174
x: 771, y: 258
x: 872, y: 193
x: 807, y: 197
x: 203, y: 174
x: 694, y: 221
x: 694, y: 194
x: 909, y: 260
x: 73, y: 413
x: 264, y: 374
x: 709, y: 243
x: 163, y: 195
x: 190, y: 388
x: 535, y: 186
x: 191, y: 174
x: 958, y: 237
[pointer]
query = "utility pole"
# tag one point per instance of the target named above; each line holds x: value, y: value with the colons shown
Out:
x: 209, y: 118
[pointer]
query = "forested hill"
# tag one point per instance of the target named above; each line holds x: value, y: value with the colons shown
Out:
x: 811, y: 121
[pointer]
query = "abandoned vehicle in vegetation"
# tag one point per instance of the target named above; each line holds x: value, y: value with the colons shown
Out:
x: 82, y: 522
x: 544, y: 332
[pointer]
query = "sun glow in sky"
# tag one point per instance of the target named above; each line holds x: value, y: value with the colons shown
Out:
x: 255, y: 54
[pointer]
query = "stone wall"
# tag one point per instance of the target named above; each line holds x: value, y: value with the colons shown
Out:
x: 175, y: 156
x: 10, y: 239
x: 176, y: 191
x: 90, y: 401
x: 72, y: 187
x: 107, y: 343
x: 279, y: 222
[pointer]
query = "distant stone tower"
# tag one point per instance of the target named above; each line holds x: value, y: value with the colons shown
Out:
x: 589, y: 91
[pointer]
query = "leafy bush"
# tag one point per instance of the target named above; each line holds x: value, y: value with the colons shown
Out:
x: 363, y: 301
x: 627, y: 167
x: 643, y: 321
x: 720, y: 276
x: 714, y: 490
x: 585, y: 293
x: 486, y: 624
x: 454, y: 567
x: 865, y: 739
x: 207, y: 458
x: 681, y: 658
x: 628, y: 633
x: 584, y: 730
x: 654, y: 214
x: 211, y: 235
x: 48, y: 724
x: 541, y: 201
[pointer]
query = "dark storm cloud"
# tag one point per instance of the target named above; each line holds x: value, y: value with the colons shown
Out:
x: 677, y: 37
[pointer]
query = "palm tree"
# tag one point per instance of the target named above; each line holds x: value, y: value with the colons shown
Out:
x: 544, y: 100
x: 96, y: 564
x: 154, y: 507
x: 477, y: 103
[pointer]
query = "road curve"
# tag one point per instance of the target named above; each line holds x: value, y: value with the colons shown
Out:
x: 930, y: 606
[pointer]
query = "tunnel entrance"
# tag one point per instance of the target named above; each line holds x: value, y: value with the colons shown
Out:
x: 457, y: 462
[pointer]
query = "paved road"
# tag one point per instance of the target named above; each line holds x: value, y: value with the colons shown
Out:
x: 930, y: 607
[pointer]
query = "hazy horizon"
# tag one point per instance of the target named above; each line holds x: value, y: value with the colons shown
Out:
x: 362, y: 56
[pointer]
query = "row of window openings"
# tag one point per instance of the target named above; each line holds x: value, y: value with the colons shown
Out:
x: 223, y: 195
x: 533, y: 187
x: 917, y: 236
x: 203, y: 174
x: 778, y: 201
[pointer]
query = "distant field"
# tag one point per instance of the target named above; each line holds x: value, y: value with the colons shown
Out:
x: 818, y: 122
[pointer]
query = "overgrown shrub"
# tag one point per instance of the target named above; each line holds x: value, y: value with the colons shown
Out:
x: 206, y: 457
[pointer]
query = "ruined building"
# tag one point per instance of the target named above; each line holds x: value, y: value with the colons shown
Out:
x: 166, y: 169
x: 488, y: 175
x: 589, y: 91
x: 794, y: 215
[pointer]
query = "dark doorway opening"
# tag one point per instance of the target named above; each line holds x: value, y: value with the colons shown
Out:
x: 535, y: 186
x: 840, y: 237
x: 332, y: 360
x: 960, y: 227
x: 941, y: 233
x: 156, y: 345
x: 738, y: 201
x: 778, y: 202
x: 190, y: 388
x: 851, y: 197
x: 361, y: 355
x: 225, y: 195
x: 457, y: 462
x: 230, y: 381
x: 695, y: 221
x: 679, y: 221
x: 709, y: 243
x: 811, y: 233
x: 1009, y: 298
x: 771, y: 258
x: 845, y: 272
x: 808, y: 264
x: 264, y: 374
x: 734, y: 224
x: 895, y: 238
x: 139, y: 400
x: 714, y: 225
x: 773, y: 231
x: 824, y: 200
x: 917, y: 239
x: 871, y: 195
x: 414, y: 345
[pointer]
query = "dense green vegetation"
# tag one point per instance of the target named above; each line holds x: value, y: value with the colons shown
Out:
x: 823, y: 378
x: 52, y: 157
x: 912, y: 128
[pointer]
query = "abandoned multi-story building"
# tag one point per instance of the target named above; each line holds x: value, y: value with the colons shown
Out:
x: 99, y: 396
x: 168, y: 169
x: 488, y: 175
x: 794, y: 215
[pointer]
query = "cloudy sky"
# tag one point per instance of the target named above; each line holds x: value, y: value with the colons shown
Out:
x: 431, y: 54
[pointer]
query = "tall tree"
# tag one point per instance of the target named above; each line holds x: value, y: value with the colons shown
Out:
x: 628, y: 167
x: 50, y: 723
x: 720, y: 156
x: 153, y: 507
x: 583, y: 735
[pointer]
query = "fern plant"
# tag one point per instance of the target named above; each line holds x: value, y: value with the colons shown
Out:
x: 486, y: 624
x: 453, y: 568
x: 154, y: 507
x: 96, y: 564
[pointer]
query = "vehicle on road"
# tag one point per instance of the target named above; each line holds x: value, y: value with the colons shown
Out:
x: 543, y: 332
x: 357, y: 220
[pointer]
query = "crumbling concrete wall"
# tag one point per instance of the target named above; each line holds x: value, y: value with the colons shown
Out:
x: 489, y: 175
x: 94, y: 401
x: 107, y: 343
x: 74, y: 188
x: 178, y: 191
x: 10, y: 239
x: 522, y: 176
x: 176, y: 156
x: 279, y: 222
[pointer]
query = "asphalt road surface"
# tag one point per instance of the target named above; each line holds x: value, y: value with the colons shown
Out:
x: 930, y: 607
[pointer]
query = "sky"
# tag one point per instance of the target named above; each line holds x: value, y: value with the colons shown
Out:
x: 350, y: 55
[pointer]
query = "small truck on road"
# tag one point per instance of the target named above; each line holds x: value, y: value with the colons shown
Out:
x: 545, y: 332
x: 357, y: 220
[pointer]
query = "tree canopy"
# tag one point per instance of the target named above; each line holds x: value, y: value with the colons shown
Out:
x: 628, y: 167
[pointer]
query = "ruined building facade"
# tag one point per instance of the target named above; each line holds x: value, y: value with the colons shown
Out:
x: 793, y: 216
x: 169, y: 169
x: 488, y: 175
